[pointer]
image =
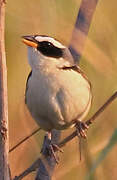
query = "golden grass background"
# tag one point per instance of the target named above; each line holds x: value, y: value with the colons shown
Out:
x: 56, y: 18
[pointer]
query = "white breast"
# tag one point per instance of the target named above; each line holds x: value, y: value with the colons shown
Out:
x: 56, y: 98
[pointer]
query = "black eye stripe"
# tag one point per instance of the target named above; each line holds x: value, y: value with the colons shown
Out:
x: 48, y: 49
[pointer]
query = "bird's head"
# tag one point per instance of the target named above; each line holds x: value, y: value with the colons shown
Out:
x: 46, y: 50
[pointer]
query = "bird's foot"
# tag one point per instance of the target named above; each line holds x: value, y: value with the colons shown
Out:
x: 50, y: 149
x: 81, y: 128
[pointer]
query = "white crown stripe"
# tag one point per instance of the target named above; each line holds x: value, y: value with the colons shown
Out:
x: 49, y: 39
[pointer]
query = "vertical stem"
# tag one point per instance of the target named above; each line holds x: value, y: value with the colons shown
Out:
x: 81, y: 28
x: 4, y: 169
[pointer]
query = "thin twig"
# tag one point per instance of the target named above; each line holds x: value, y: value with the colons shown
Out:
x: 23, y: 140
x: 35, y: 165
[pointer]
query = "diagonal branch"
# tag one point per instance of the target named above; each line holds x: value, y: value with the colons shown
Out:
x: 91, y: 120
x: 43, y: 159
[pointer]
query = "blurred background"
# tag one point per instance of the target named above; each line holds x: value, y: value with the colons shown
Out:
x: 56, y: 18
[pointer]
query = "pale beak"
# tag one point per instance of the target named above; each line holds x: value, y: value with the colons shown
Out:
x: 30, y: 41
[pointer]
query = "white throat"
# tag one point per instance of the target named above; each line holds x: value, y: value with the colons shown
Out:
x: 38, y: 61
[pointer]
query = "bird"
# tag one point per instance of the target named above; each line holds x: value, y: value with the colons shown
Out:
x: 58, y: 93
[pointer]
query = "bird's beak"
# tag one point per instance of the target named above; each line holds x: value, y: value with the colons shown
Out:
x: 30, y: 41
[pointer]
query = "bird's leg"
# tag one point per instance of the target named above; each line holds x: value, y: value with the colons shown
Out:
x: 50, y: 148
x: 81, y: 128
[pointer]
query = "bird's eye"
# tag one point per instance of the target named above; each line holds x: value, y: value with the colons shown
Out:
x: 49, y: 44
x: 48, y: 49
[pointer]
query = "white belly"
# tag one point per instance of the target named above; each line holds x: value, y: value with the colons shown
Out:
x: 55, y: 100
